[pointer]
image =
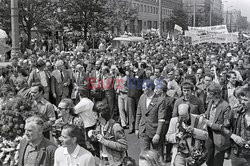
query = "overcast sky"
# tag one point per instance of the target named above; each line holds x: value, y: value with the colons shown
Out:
x: 243, y: 5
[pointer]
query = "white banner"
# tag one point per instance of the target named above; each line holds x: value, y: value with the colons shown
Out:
x: 178, y: 28
x: 220, y: 29
x: 216, y: 38
x: 246, y: 36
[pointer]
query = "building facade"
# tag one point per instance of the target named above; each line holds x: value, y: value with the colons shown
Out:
x: 203, y: 10
x: 232, y: 20
x: 148, y: 14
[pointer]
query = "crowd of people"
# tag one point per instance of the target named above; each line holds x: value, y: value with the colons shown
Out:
x: 186, y: 104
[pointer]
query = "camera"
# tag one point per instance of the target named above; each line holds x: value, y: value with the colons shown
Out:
x: 92, y: 134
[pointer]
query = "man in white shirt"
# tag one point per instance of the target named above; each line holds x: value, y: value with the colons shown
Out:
x: 72, y: 152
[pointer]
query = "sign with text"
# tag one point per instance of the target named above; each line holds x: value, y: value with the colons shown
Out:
x: 216, y: 38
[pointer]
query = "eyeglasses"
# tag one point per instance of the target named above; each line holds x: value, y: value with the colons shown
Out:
x: 60, y: 108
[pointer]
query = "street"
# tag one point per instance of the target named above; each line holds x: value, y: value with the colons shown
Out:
x: 134, y: 149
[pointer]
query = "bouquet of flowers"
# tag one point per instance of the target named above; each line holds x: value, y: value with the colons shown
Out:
x: 12, y: 121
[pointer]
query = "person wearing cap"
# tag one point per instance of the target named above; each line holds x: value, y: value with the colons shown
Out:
x: 217, y: 118
x: 60, y: 82
x: 196, y: 105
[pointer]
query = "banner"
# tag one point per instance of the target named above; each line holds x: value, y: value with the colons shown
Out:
x: 219, y: 29
x: 216, y: 38
x: 246, y: 36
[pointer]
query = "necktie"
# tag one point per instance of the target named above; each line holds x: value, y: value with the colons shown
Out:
x: 62, y: 76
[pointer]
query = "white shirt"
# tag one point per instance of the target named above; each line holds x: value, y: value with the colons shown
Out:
x: 80, y: 157
x: 149, y: 99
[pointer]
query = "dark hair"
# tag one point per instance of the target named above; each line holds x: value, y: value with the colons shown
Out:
x: 40, y: 63
x: 75, y: 131
x: 135, y: 64
x: 143, y: 65
x: 158, y: 67
x: 39, y: 85
x: 103, y: 109
x: 187, y: 85
x: 191, y: 77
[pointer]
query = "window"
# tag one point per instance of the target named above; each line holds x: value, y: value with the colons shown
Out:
x: 145, y: 8
x: 157, y: 10
x: 154, y: 10
x: 141, y: 9
x: 151, y: 9
x: 148, y: 9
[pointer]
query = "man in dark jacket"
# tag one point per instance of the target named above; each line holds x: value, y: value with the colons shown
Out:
x: 217, y: 116
x: 34, y: 149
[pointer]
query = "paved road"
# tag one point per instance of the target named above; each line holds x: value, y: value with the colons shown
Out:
x: 134, y: 149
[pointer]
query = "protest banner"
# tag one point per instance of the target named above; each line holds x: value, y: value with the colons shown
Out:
x: 216, y: 38
x: 178, y: 28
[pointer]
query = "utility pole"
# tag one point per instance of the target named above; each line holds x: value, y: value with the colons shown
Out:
x: 160, y: 18
x: 210, y: 13
x: 14, y: 28
x: 194, y: 19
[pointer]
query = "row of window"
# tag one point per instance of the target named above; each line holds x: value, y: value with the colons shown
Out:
x: 151, y: 9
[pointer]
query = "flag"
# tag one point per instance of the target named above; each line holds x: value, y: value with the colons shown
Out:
x: 178, y: 28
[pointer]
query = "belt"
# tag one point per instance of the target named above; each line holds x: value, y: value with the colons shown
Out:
x: 123, y: 92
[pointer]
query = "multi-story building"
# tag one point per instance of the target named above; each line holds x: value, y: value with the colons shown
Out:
x: 203, y: 10
x: 148, y: 14
x: 232, y: 19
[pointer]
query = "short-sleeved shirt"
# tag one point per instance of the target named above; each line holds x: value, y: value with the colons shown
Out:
x: 30, y: 155
x: 46, y: 109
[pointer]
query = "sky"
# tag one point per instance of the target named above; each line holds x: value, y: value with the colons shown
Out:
x: 243, y: 5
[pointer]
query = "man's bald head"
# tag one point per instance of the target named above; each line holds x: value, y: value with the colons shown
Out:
x: 183, y: 110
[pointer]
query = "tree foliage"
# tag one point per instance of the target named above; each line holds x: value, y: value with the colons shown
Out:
x: 180, y: 18
x: 120, y: 12
x: 83, y: 14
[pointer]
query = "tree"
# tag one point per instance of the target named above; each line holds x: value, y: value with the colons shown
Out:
x: 5, y: 15
x: 180, y: 18
x: 120, y: 12
x: 83, y: 14
x: 35, y: 14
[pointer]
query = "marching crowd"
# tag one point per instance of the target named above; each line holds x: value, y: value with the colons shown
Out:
x: 186, y: 104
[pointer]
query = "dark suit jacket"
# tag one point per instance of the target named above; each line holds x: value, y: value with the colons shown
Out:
x: 221, y: 119
x: 149, y: 120
x: 45, y: 155
x: 57, y: 87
